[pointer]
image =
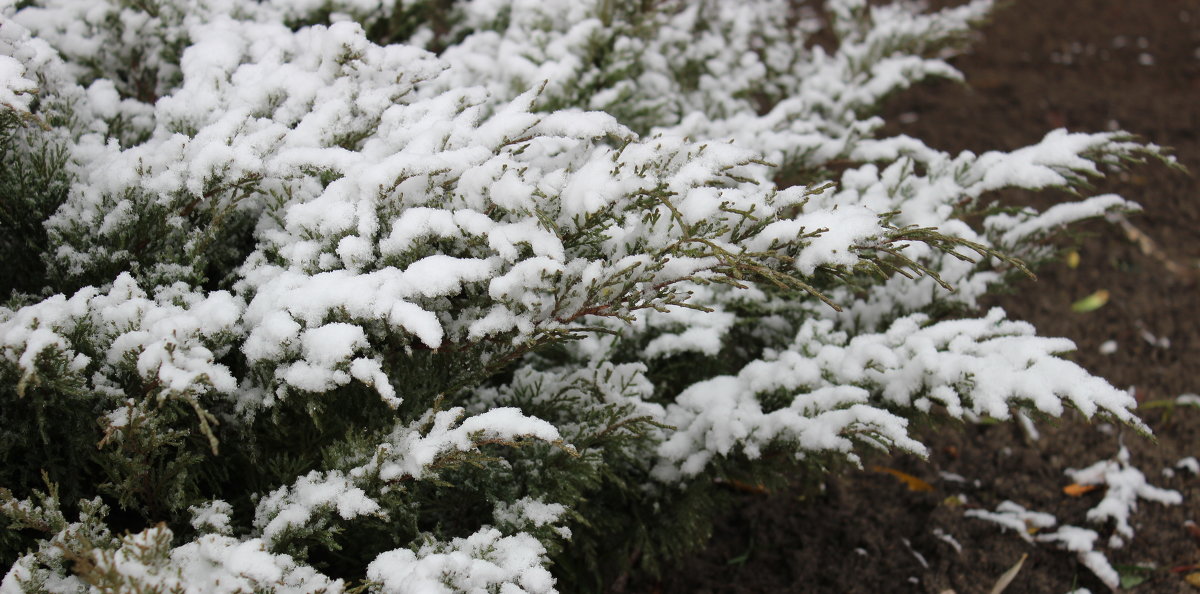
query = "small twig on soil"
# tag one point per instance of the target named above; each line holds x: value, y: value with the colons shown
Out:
x: 1149, y: 247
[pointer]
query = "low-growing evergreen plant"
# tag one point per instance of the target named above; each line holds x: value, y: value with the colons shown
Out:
x: 482, y: 295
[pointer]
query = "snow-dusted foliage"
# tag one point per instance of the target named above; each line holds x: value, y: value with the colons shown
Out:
x: 1013, y: 516
x: 1123, y: 485
x: 1032, y: 526
x: 409, y: 295
x: 482, y: 562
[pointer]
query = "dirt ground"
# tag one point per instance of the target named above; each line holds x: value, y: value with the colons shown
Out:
x: 1087, y: 65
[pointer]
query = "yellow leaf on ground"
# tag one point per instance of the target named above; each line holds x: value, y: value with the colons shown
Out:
x: 1091, y: 302
x: 913, y: 483
x: 1073, y: 259
x: 1193, y: 579
x: 1075, y: 490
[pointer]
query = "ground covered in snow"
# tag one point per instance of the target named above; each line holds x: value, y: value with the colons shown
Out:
x: 1088, y: 65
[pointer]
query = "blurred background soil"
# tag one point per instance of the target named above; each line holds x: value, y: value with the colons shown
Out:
x: 1086, y: 65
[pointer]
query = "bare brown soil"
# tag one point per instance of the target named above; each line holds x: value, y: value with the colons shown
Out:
x: 1087, y: 65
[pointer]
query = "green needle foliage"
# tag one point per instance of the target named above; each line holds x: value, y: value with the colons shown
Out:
x: 482, y: 295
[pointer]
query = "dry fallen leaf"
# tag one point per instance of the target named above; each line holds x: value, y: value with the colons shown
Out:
x: 1009, y: 576
x: 913, y: 483
x: 1075, y: 490
x: 1193, y: 579
x: 746, y: 487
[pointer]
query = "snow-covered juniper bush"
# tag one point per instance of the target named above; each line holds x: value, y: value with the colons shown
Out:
x: 482, y: 295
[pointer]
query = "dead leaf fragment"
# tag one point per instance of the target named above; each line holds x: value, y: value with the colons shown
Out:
x: 1075, y: 489
x: 913, y: 483
x: 1009, y: 576
x: 1193, y: 579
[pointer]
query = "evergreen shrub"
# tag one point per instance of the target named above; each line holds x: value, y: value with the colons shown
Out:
x: 483, y: 295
